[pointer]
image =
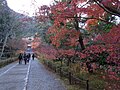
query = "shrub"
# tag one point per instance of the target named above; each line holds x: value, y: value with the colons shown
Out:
x: 7, y: 61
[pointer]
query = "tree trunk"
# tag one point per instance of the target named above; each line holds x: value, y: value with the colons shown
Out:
x: 81, y: 42
x: 80, y: 36
x: 4, y: 44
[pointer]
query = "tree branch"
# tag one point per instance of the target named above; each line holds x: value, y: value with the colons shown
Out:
x: 108, y: 9
x: 91, y: 18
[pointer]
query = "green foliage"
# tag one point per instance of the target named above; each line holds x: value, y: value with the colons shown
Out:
x: 97, y: 84
x: 47, y: 38
x: 105, y: 28
x: 69, y: 25
x: 102, y: 58
x: 82, y: 75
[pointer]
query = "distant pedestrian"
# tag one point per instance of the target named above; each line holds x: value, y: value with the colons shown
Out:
x: 20, y: 58
x: 25, y: 58
x: 28, y: 57
x: 33, y: 56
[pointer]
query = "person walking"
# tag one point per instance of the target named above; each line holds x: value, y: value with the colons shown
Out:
x: 25, y: 58
x: 20, y: 58
x: 28, y: 57
x: 33, y: 56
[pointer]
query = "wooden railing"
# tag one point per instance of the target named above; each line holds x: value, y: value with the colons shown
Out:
x: 72, y: 79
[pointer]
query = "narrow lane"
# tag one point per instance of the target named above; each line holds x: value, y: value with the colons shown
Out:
x: 33, y: 76
x: 12, y: 77
x: 42, y: 79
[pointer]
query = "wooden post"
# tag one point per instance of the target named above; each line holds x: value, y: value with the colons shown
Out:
x: 61, y: 62
x: 61, y: 67
x: 60, y: 72
x: 55, y: 68
x: 70, y: 79
x: 87, y: 85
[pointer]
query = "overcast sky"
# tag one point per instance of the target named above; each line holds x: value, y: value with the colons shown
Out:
x: 27, y: 7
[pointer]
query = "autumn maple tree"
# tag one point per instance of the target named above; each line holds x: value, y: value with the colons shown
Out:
x: 68, y: 17
x: 88, y: 29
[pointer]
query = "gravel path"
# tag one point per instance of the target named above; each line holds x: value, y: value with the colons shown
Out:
x: 42, y: 79
x: 12, y: 77
x: 32, y: 76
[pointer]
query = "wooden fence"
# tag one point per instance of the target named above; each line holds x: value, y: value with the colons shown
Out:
x: 72, y: 79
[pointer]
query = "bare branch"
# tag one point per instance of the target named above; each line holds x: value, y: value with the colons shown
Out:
x: 108, y: 9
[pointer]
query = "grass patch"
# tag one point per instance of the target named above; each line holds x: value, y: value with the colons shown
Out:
x: 7, y: 61
x: 95, y: 82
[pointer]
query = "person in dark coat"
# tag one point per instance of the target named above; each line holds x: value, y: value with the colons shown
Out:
x: 28, y: 57
x: 25, y: 58
x: 20, y: 58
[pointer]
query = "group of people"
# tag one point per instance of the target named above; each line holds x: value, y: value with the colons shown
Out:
x: 25, y: 57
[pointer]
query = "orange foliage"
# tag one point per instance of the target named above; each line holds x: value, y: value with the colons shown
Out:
x: 36, y: 42
x: 92, y: 22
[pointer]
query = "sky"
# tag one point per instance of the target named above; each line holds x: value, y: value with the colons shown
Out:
x: 27, y: 7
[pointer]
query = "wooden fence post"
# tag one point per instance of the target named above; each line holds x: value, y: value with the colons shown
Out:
x: 70, y: 79
x: 47, y: 63
x: 60, y: 72
x: 55, y: 69
x: 87, y: 85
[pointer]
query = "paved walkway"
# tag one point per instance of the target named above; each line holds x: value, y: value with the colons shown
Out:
x: 32, y: 76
